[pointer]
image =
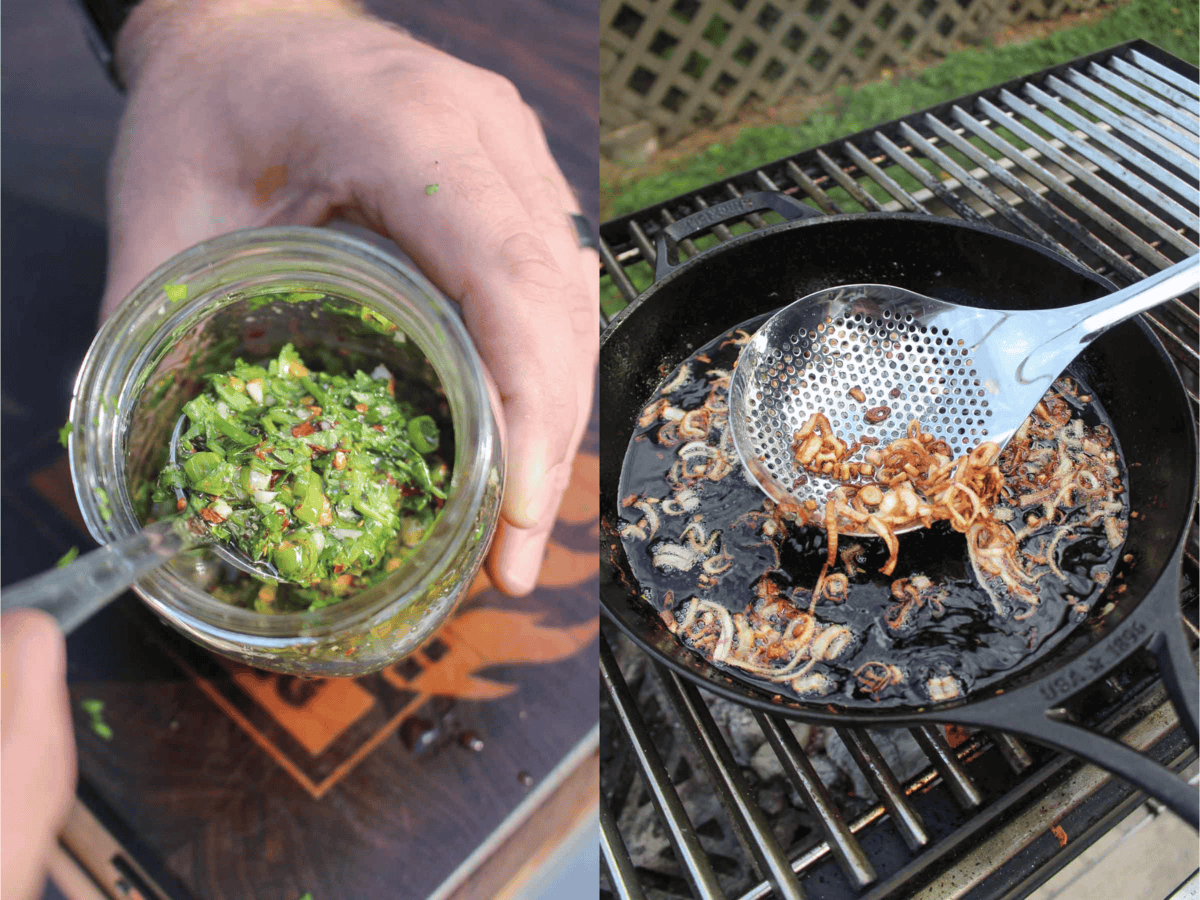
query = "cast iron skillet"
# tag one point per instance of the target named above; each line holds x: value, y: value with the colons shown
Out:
x: 1127, y: 368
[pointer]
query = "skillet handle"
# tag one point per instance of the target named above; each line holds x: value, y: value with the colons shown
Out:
x: 1032, y: 711
x: 667, y: 250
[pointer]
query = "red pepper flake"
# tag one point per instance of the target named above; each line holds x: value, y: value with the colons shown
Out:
x: 360, y: 408
x: 1059, y: 833
x: 409, y: 490
x: 318, y: 450
x: 211, y: 515
x: 379, y: 428
x: 256, y: 333
x: 303, y: 429
x: 339, y: 568
x: 261, y: 452
x: 276, y: 474
x: 181, y: 504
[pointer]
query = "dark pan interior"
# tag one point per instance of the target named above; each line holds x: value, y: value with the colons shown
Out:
x: 972, y: 265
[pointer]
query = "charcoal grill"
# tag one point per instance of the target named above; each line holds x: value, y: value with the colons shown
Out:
x: 1096, y: 159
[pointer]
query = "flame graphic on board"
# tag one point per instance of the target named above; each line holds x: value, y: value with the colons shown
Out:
x: 491, y: 637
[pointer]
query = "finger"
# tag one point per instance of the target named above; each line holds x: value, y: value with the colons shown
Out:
x: 474, y: 238
x: 37, y: 753
x: 524, y: 158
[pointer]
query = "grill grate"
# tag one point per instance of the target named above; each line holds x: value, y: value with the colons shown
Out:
x: 1097, y: 160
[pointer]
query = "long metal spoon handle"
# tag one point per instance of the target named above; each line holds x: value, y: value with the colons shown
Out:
x: 73, y: 593
x: 1172, y: 282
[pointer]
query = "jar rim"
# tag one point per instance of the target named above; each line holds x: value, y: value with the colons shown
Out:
x: 115, y: 359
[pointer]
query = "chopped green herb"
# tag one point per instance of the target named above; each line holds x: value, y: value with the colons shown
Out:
x: 307, y: 896
x: 67, y: 558
x: 430, y: 190
x: 64, y: 433
x: 105, y: 508
x: 95, y: 711
x: 330, y: 477
x: 176, y: 293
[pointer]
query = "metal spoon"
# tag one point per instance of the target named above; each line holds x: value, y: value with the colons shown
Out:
x: 74, y: 593
x: 873, y: 358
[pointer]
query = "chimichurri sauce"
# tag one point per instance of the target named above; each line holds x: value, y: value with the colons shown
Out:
x: 329, y: 477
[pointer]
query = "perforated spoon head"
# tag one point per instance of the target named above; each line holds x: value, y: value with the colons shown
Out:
x: 874, y: 358
x: 871, y: 360
x: 259, y: 568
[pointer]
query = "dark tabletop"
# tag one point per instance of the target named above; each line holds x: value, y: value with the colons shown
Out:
x: 222, y: 781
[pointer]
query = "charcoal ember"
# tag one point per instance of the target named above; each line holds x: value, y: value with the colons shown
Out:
x: 765, y: 761
x: 738, y: 727
x: 773, y: 798
x: 899, y: 749
x: 646, y: 840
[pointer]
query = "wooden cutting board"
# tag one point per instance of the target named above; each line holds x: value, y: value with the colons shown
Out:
x: 222, y: 781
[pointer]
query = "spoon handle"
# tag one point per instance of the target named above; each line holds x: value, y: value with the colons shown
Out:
x: 73, y: 593
x: 1172, y: 282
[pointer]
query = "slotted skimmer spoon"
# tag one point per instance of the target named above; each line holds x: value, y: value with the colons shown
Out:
x: 74, y: 593
x: 873, y: 358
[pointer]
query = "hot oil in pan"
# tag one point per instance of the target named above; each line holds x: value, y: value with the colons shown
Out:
x: 706, y: 546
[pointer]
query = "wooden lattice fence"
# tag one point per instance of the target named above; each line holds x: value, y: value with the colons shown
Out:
x: 685, y: 64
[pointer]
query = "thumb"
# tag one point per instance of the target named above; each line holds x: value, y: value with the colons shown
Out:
x: 37, y: 751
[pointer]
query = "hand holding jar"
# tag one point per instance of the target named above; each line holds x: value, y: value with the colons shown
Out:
x: 246, y: 114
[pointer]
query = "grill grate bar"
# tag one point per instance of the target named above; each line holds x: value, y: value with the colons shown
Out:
x: 684, y: 840
x: 1157, y: 86
x: 866, y: 754
x: 1127, y: 205
x: 838, y: 174
x: 748, y: 820
x: 1164, y: 139
x: 1118, y: 148
x: 621, y: 873
x: 947, y: 765
x: 800, y: 772
x: 1067, y: 193
x: 613, y: 268
x: 810, y: 187
x: 931, y: 184
x: 1134, y: 183
x: 1188, y: 87
x: 644, y: 244
x: 885, y: 181
x: 1129, y: 132
x: 1170, y: 112
x: 1014, y: 751
x: 1030, y: 196
x: 756, y: 221
x: 991, y: 198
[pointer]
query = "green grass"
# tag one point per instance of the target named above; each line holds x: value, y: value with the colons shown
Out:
x: 1172, y: 25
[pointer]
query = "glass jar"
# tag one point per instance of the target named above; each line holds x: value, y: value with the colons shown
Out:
x: 338, y: 300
